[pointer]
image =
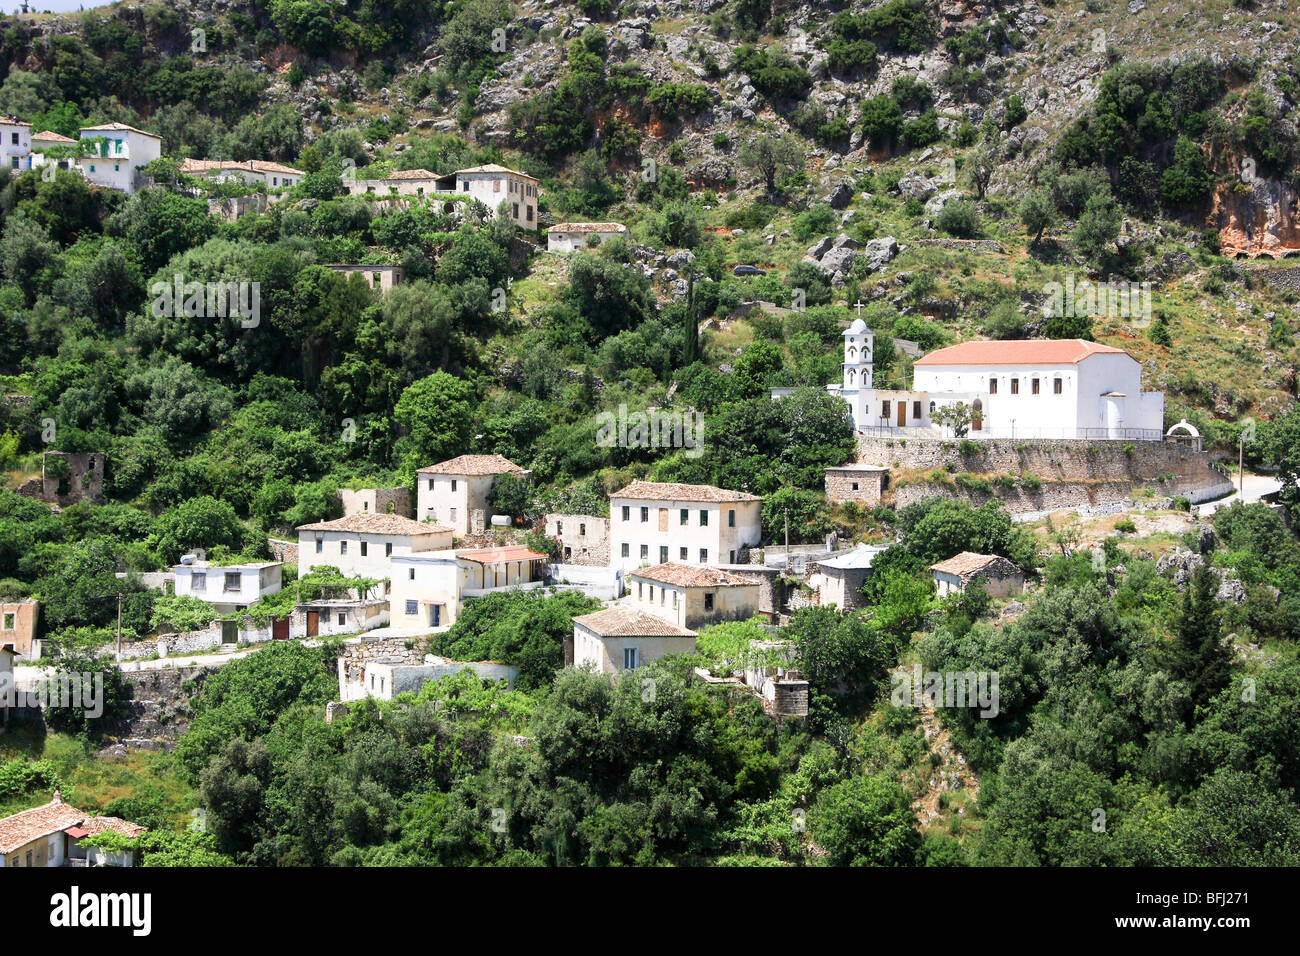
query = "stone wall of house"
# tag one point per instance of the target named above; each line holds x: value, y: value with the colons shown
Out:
x: 789, y: 699
x: 377, y: 501
x: 286, y: 551
x: 1059, y: 459
x: 840, y: 482
x: 591, y: 548
x: 85, y: 480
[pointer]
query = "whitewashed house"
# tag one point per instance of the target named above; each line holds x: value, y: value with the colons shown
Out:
x: 228, y: 588
x: 575, y: 236
x: 455, y: 491
x: 46, y: 142
x: 365, y: 545
x: 253, y: 172
x: 622, y: 638
x: 691, y: 596
x: 491, y: 185
x: 118, y: 154
x: 15, y: 143
x: 429, y: 589
x: 658, y: 522
x: 1033, y: 388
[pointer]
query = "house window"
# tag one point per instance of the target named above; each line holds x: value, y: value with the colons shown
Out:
x: 663, y: 554
x: 627, y: 513
x: 625, y: 553
x: 11, y: 621
x: 363, y: 549
x: 320, y: 545
x: 515, y: 207
x: 704, y: 555
x: 343, y: 547
x: 1033, y: 386
x: 199, y: 582
x: 704, y: 518
x: 932, y: 407
x: 629, y: 658
x: 410, y: 574
x: 559, y: 527
x: 388, y: 549
x: 232, y: 581
x: 496, y: 185
x: 1015, y: 386
x: 645, y: 515
x: 645, y: 551
x: 412, y: 608
x: 92, y: 167
x: 683, y: 554
x: 674, y: 600
x: 582, y: 530
x: 341, y: 619
x: 15, y: 162
x: 431, y: 484
x: 652, y: 594
x: 916, y: 410
x: 731, y: 517
x: 686, y: 516
x: 453, y: 484
x: 708, y: 602
x: 1056, y: 387
x: 855, y: 486
x: 884, y: 409
x: 13, y: 138
x: 529, y: 210
x: 640, y: 593
x: 993, y: 386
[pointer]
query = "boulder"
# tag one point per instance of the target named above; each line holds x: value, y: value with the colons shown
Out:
x: 822, y: 247
x: 840, y: 196
x: 879, y: 252
x: 916, y: 186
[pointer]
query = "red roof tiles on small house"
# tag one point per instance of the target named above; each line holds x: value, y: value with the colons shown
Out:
x: 671, y: 491
x: 1019, y: 352
x: 692, y: 576
x: 377, y: 524
x: 626, y: 622
x: 500, y: 555
x: 19, y: 829
x: 967, y: 564
x: 473, y: 466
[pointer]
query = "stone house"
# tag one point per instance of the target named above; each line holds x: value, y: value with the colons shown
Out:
x: 380, y: 276
x: 253, y: 172
x: 583, y: 539
x: 999, y: 576
x: 691, y: 596
x: 861, y: 483
x: 376, y: 501
x: 837, y: 579
x: 455, y: 492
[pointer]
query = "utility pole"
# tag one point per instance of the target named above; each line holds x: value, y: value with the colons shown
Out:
x: 119, y: 625
x: 787, y: 537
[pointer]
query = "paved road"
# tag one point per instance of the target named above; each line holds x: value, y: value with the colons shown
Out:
x: 1254, y: 486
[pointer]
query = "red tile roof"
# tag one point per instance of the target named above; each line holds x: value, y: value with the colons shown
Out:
x: 1019, y: 352
x: 968, y: 563
x: 473, y: 466
x: 693, y: 576
x: 22, y: 828
x: 670, y: 491
x: 499, y: 555
x: 625, y: 622
x: 377, y: 524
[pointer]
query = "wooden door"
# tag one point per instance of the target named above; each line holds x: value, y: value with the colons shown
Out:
x: 313, y: 623
x: 663, y: 519
x: 229, y: 632
x: 902, y: 414
x: 280, y: 628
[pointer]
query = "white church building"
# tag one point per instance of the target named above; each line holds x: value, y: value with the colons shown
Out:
x: 1035, y: 388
